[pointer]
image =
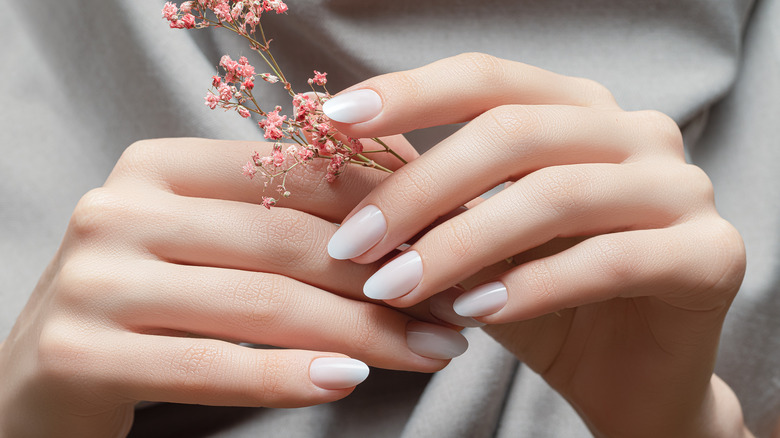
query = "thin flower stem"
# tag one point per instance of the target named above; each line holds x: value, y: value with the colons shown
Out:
x: 388, y: 149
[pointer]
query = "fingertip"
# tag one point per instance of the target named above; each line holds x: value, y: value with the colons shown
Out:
x: 358, y: 234
x: 356, y: 106
x: 337, y: 373
x: 483, y: 300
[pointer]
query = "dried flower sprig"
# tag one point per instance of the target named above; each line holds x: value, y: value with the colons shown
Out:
x: 299, y: 139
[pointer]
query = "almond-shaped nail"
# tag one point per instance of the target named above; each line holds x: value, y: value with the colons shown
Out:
x: 396, y: 278
x: 482, y: 300
x: 354, y: 106
x: 337, y: 372
x: 440, y: 306
x: 434, y: 341
x: 357, y: 235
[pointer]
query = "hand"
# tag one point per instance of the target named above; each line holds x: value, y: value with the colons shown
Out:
x: 170, y: 264
x: 621, y: 270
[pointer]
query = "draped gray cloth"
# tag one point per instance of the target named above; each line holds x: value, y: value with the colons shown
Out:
x: 84, y: 79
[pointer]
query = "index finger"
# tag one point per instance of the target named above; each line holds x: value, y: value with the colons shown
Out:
x: 454, y: 90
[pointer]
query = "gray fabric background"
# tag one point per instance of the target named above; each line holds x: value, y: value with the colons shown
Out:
x: 81, y: 80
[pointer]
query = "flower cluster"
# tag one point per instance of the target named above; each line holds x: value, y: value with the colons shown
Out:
x: 306, y: 135
x: 241, y: 14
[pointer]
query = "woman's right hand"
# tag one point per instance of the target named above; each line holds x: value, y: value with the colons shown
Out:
x: 170, y: 264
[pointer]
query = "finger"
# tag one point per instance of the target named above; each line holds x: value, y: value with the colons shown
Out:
x: 682, y: 266
x: 211, y: 372
x: 276, y: 310
x: 454, y: 90
x: 502, y: 145
x: 212, y: 169
x: 243, y: 236
x: 560, y: 201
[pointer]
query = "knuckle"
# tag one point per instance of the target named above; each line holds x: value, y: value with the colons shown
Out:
x: 698, y: 183
x: 262, y: 300
x: 515, y: 123
x: 411, y: 82
x: 538, y: 277
x: 459, y: 238
x: 64, y: 351
x: 728, y: 259
x: 615, y: 260
x: 594, y: 92
x: 83, y: 285
x: 481, y: 67
x: 366, y: 329
x: 563, y: 190
x: 662, y: 128
x: 141, y: 154
x: 271, y: 371
x: 195, y: 366
x: 95, y: 212
x: 289, y: 235
x: 413, y: 186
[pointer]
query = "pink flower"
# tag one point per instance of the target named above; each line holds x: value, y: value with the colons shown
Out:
x: 252, y: 19
x: 211, y: 100
x: 243, y: 112
x: 188, y: 21
x: 255, y: 157
x: 356, y: 145
x: 237, y: 9
x: 248, y: 84
x: 319, y: 78
x: 169, y: 11
x: 228, y: 64
x: 278, y: 157
x: 246, y: 70
x: 225, y: 92
x: 334, y: 168
x: 305, y: 154
x: 275, y: 5
x: 272, y: 123
x: 222, y: 10
x: 249, y: 169
x: 268, y: 202
x: 324, y: 129
x: 186, y: 7
x: 215, y: 81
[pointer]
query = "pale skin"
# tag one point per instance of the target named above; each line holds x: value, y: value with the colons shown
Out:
x: 167, y: 264
x: 620, y: 313
x: 623, y: 270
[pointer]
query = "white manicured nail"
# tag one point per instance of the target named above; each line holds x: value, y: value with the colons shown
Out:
x: 357, y: 235
x: 434, y: 341
x: 440, y: 306
x: 396, y: 278
x: 337, y: 372
x: 482, y: 300
x: 353, y: 107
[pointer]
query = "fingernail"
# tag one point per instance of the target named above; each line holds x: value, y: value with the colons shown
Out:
x: 396, y: 278
x: 440, y: 306
x: 434, y: 341
x: 353, y: 107
x: 337, y: 372
x: 358, y: 234
x: 482, y: 300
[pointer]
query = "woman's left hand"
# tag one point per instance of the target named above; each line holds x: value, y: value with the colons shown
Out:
x: 625, y: 269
